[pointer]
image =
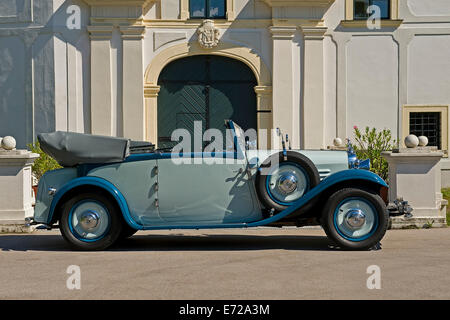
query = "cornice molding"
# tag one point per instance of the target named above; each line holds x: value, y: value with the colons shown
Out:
x: 313, y: 33
x: 263, y: 90
x: 363, y: 23
x: 132, y: 32
x: 298, y: 3
x: 100, y: 32
x: 283, y: 32
x: 151, y: 91
x: 121, y: 3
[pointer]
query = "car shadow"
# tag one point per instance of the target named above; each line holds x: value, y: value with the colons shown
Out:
x: 174, y: 242
x: 221, y: 242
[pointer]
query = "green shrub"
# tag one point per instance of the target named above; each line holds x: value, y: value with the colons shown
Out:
x: 44, y: 163
x: 369, y: 145
x: 446, y: 195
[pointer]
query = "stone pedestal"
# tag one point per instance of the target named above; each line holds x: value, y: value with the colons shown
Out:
x: 415, y: 176
x: 15, y: 189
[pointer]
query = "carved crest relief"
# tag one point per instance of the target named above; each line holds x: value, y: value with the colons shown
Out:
x: 208, y: 35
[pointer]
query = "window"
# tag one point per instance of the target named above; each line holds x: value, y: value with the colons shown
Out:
x: 426, y: 124
x: 360, y: 8
x: 356, y: 15
x: 430, y: 121
x: 207, y: 9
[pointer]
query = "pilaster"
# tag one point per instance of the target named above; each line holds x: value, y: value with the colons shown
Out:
x: 133, y: 82
x: 101, y: 80
x: 285, y: 113
x: 264, y: 115
x: 313, y: 114
x: 151, y: 112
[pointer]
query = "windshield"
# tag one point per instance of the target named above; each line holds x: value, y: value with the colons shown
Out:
x: 238, y: 137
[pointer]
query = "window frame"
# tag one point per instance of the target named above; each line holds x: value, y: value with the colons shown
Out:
x: 365, y: 18
x: 443, y: 110
x: 207, y: 7
x: 350, y: 12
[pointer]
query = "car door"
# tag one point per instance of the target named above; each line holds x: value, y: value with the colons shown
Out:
x: 204, y: 193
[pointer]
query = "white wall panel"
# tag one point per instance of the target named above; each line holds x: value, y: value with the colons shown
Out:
x: 372, y: 86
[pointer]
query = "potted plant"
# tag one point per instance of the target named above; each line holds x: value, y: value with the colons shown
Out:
x: 42, y: 164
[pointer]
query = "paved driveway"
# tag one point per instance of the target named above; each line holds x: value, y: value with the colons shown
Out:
x: 264, y: 263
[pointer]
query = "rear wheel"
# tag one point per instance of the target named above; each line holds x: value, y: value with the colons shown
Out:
x: 89, y: 221
x: 281, y: 181
x: 355, y: 219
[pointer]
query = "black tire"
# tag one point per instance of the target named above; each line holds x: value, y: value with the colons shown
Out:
x: 373, y: 237
x: 107, y: 238
x: 127, y: 231
x: 304, y: 162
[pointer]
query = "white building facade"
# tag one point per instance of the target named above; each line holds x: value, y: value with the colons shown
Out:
x: 140, y: 68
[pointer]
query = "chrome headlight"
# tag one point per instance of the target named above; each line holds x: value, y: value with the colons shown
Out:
x: 354, y: 162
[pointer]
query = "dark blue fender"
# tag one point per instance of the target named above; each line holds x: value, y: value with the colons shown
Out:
x: 97, y: 182
x: 341, y: 176
x: 330, y: 181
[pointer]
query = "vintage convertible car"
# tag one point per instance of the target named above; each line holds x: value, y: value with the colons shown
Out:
x: 110, y: 188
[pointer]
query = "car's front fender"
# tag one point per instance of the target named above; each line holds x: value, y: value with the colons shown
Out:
x: 329, y: 182
x: 99, y: 183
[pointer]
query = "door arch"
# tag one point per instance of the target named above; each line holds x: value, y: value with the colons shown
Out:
x: 206, y: 88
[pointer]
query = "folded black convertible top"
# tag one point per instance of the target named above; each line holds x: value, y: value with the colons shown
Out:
x: 71, y: 148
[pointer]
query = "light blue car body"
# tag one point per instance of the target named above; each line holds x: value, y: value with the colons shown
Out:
x: 154, y: 192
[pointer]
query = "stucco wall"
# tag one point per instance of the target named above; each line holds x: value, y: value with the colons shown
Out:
x: 42, y: 87
x: 429, y: 66
x: 372, y: 82
x: 368, y: 76
x: 12, y: 84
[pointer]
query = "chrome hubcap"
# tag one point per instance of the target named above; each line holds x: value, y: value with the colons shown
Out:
x: 89, y: 220
x: 287, y: 183
x: 355, y: 218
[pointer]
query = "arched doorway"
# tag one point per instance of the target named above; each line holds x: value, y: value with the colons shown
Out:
x: 206, y: 88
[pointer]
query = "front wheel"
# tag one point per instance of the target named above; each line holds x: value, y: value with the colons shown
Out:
x: 89, y: 221
x: 355, y: 219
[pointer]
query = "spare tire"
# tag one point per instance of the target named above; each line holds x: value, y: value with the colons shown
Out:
x: 280, y: 180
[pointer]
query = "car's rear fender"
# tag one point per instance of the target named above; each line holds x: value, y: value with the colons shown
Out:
x: 92, y: 182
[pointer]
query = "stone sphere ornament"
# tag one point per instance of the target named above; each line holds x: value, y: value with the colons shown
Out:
x: 423, y: 141
x: 337, y: 142
x: 8, y: 143
x: 411, y: 141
